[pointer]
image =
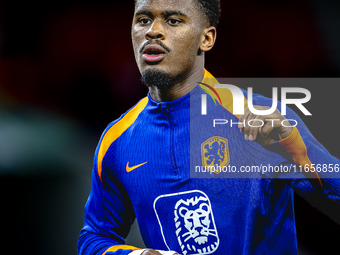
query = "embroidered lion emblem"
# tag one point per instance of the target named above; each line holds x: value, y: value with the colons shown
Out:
x: 195, y: 232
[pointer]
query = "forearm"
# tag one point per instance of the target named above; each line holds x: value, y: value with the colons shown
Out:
x: 93, y: 244
x: 108, y: 216
x: 314, y: 162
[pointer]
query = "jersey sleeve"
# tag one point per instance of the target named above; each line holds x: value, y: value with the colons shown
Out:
x: 108, y: 212
x: 321, y: 185
x: 320, y: 188
x: 108, y: 217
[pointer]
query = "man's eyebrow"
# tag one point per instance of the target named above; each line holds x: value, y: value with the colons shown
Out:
x: 170, y: 13
x: 143, y: 12
x: 165, y: 14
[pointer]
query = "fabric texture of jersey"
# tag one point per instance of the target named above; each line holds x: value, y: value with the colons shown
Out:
x: 142, y: 170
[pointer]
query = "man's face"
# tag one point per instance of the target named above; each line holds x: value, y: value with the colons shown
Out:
x: 166, y: 35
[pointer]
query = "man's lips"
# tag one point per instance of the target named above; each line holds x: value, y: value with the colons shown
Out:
x: 153, y: 53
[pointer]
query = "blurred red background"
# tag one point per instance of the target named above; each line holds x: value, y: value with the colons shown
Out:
x: 67, y: 69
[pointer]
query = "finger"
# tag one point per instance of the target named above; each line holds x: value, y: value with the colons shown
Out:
x: 242, y: 120
x: 268, y: 127
x: 240, y: 125
x: 286, y: 129
x: 247, y: 128
x: 255, y: 125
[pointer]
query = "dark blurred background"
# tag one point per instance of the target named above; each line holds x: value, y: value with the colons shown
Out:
x: 67, y: 69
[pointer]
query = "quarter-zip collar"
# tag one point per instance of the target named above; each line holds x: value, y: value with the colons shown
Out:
x: 182, y: 102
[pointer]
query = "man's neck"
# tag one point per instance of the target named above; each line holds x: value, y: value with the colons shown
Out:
x: 178, y: 90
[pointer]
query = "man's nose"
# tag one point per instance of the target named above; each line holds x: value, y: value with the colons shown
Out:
x: 156, y: 31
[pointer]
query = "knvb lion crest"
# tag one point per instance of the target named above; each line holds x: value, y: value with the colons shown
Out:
x: 215, y: 154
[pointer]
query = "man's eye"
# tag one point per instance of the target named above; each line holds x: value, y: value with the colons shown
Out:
x: 174, y: 21
x: 144, y: 21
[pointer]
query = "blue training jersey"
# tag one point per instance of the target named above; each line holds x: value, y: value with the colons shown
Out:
x: 144, y: 167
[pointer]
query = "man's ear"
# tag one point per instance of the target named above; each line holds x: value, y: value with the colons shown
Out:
x: 208, y: 39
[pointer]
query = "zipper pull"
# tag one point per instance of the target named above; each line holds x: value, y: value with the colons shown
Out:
x: 165, y: 108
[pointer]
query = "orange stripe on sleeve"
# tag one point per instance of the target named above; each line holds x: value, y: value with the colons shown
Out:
x: 117, y: 130
x: 121, y: 247
x: 296, y: 147
x: 226, y: 97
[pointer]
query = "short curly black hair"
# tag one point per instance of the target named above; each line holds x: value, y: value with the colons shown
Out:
x: 212, y: 9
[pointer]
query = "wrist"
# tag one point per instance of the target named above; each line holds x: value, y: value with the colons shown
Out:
x: 286, y: 132
x: 289, y: 137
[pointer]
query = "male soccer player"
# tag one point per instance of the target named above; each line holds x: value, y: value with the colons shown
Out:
x: 142, y: 163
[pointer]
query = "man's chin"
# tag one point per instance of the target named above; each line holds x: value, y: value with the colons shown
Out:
x: 154, y: 77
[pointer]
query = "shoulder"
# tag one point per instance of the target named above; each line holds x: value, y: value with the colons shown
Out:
x: 116, y: 128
